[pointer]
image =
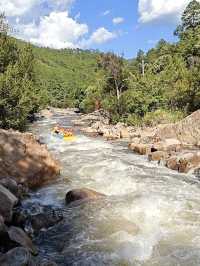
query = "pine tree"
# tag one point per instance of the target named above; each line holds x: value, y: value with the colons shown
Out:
x: 19, y: 98
x: 190, y: 18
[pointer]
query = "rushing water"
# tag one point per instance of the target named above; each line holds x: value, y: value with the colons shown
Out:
x: 151, y: 216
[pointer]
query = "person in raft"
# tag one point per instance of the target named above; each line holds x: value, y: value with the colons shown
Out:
x: 66, y: 132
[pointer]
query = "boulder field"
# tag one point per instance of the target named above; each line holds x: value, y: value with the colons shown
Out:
x: 24, y: 164
x: 176, y: 145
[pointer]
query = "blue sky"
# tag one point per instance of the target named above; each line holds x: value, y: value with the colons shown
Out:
x: 133, y: 35
x: 108, y: 25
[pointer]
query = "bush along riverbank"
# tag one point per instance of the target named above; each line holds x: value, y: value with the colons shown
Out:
x: 175, y: 145
x: 24, y: 164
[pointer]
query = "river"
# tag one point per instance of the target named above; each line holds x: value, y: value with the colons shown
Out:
x: 151, y: 216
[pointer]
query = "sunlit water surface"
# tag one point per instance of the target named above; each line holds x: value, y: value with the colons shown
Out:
x: 151, y: 216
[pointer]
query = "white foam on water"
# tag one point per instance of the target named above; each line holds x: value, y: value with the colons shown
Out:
x: 163, y: 204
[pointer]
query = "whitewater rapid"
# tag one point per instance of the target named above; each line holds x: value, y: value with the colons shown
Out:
x: 151, y: 216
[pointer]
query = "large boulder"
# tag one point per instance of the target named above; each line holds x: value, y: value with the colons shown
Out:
x: 7, y: 202
x: 18, y: 236
x: 16, y: 257
x: 187, y: 131
x: 11, y: 185
x: 184, y: 162
x: 82, y: 194
x: 157, y: 156
x: 23, y: 158
x: 140, y: 148
x: 167, y: 145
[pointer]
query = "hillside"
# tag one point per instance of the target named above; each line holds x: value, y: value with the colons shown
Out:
x: 63, y: 73
x: 68, y: 66
x: 158, y: 86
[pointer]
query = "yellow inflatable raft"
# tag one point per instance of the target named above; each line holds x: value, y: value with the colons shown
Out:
x: 71, y: 138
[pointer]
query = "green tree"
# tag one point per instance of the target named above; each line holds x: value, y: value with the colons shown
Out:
x: 115, y: 72
x: 19, y: 98
x: 190, y: 19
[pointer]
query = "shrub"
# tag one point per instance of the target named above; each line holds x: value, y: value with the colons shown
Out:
x: 162, y: 116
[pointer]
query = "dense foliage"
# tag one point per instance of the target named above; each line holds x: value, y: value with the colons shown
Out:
x: 64, y: 75
x: 161, y: 85
x: 18, y: 95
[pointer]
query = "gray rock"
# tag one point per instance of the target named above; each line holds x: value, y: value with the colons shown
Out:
x: 16, y: 257
x: 45, y: 220
x: 20, y: 237
x: 2, y: 226
x: 11, y: 185
x: 7, y: 202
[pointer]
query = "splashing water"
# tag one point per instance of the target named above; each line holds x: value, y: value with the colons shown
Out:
x: 151, y: 216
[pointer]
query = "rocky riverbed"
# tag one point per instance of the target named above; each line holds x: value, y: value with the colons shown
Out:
x: 24, y: 164
x: 108, y: 206
x: 174, y: 145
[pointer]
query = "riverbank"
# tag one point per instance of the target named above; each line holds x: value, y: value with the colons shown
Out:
x: 25, y: 164
x: 174, y: 145
x: 149, y: 215
x: 108, y: 205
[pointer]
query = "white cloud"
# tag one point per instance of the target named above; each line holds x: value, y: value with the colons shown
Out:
x: 57, y: 5
x: 150, y: 10
x: 16, y: 7
x: 105, y: 13
x: 19, y: 7
x: 102, y: 35
x: 57, y: 30
x: 118, y: 20
x: 46, y: 24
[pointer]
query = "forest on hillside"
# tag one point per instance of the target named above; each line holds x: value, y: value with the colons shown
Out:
x: 162, y: 85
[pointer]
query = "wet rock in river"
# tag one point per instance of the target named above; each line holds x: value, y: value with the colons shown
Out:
x: 7, y: 202
x: 17, y: 235
x: 44, y: 220
x: 16, y: 257
x: 139, y: 148
x: 184, y: 162
x: 35, y: 217
x: 158, y: 156
x: 82, y: 194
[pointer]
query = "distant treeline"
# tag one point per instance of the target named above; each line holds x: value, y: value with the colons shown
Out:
x: 159, y: 86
